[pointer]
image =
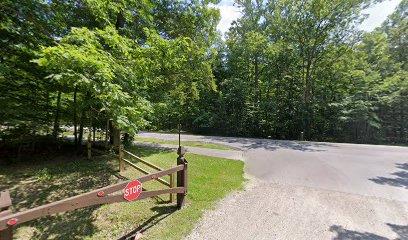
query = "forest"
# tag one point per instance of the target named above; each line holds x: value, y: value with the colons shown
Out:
x: 283, y: 68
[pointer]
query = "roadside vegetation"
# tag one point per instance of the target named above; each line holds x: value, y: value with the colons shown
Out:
x: 191, y: 144
x: 39, y: 182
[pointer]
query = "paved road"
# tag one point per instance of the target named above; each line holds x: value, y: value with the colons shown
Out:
x: 310, y: 190
x: 372, y: 170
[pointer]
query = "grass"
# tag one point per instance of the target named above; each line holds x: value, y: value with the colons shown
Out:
x: 169, y: 131
x: 30, y: 185
x: 191, y: 144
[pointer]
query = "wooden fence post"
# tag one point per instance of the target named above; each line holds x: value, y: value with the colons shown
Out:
x: 171, y: 186
x: 121, y: 155
x: 5, y: 204
x: 181, y: 176
x: 89, y: 146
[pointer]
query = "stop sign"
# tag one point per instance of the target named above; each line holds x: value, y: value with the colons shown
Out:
x: 132, y: 190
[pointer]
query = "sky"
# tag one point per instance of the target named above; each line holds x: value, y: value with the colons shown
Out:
x: 377, y: 14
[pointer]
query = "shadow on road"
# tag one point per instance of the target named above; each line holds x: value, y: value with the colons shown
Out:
x: 343, y: 234
x: 273, y: 145
x: 239, y: 143
x: 400, y: 179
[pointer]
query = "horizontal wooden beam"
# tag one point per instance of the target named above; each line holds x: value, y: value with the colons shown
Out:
x: 161, y: 180
x: 5, y: 200
x: 64, y: 206
x: 90, y: 198
x: 143, y: 161
x: 5, y: 213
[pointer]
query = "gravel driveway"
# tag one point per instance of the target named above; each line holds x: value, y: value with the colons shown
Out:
x: 275, y: 211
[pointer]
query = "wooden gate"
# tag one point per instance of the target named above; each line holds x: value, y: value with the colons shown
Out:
x: 109, y: 194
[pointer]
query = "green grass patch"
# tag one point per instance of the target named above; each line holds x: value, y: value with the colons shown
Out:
x: 30, y: 185
x: 169, y: 131
x: 191, y: 144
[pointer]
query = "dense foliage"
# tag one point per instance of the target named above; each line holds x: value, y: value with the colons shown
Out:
x: 284, y: 67
x: 290, y: 66
x: 88, y: 63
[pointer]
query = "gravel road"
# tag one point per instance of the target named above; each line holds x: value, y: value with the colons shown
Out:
x: 275, y: 211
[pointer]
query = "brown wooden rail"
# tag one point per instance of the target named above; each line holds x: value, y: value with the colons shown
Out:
x: 161, y: 180
x: 122, y: 161
x: 142, y: 160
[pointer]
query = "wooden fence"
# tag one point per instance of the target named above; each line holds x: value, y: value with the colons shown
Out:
x: 109, y: 194
x: 123, y: 162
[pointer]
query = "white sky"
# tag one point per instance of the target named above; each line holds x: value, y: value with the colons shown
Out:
x: 377, y: 14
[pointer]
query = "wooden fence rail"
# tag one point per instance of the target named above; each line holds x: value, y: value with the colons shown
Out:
x: 142, y: 161
x: 104, y: 195
x: 123, y: 160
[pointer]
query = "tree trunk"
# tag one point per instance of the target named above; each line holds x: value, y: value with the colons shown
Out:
x: 56, y: 120
x: 306, y: 99
x: 75, y: 118
x: 256, y: 104
x: 120, y: 21
x: 94, y: 131
x: 111, y: 134
x: 394, y: 126
x: 256, y: 81
x: 114, y: 133
x: 48, y: 112
x: 106, y: 131
x: 81, y: 127
x: 402, y: 122
x: 116, y: 137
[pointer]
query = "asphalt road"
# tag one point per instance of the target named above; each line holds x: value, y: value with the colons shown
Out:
x: 372, y: 170
x: 310, y: 190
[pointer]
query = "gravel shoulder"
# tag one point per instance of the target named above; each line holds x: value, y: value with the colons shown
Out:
x: 275, y: 211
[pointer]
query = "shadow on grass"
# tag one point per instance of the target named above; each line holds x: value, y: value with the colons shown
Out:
x: 70, y: 225
x: 344, y: 234
x: 162, y: 212
x: 400, y: 179
x: 52, y: 182
x: 35, y: 185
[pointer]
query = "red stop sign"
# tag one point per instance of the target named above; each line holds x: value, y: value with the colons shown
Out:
x: 132, y: 190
